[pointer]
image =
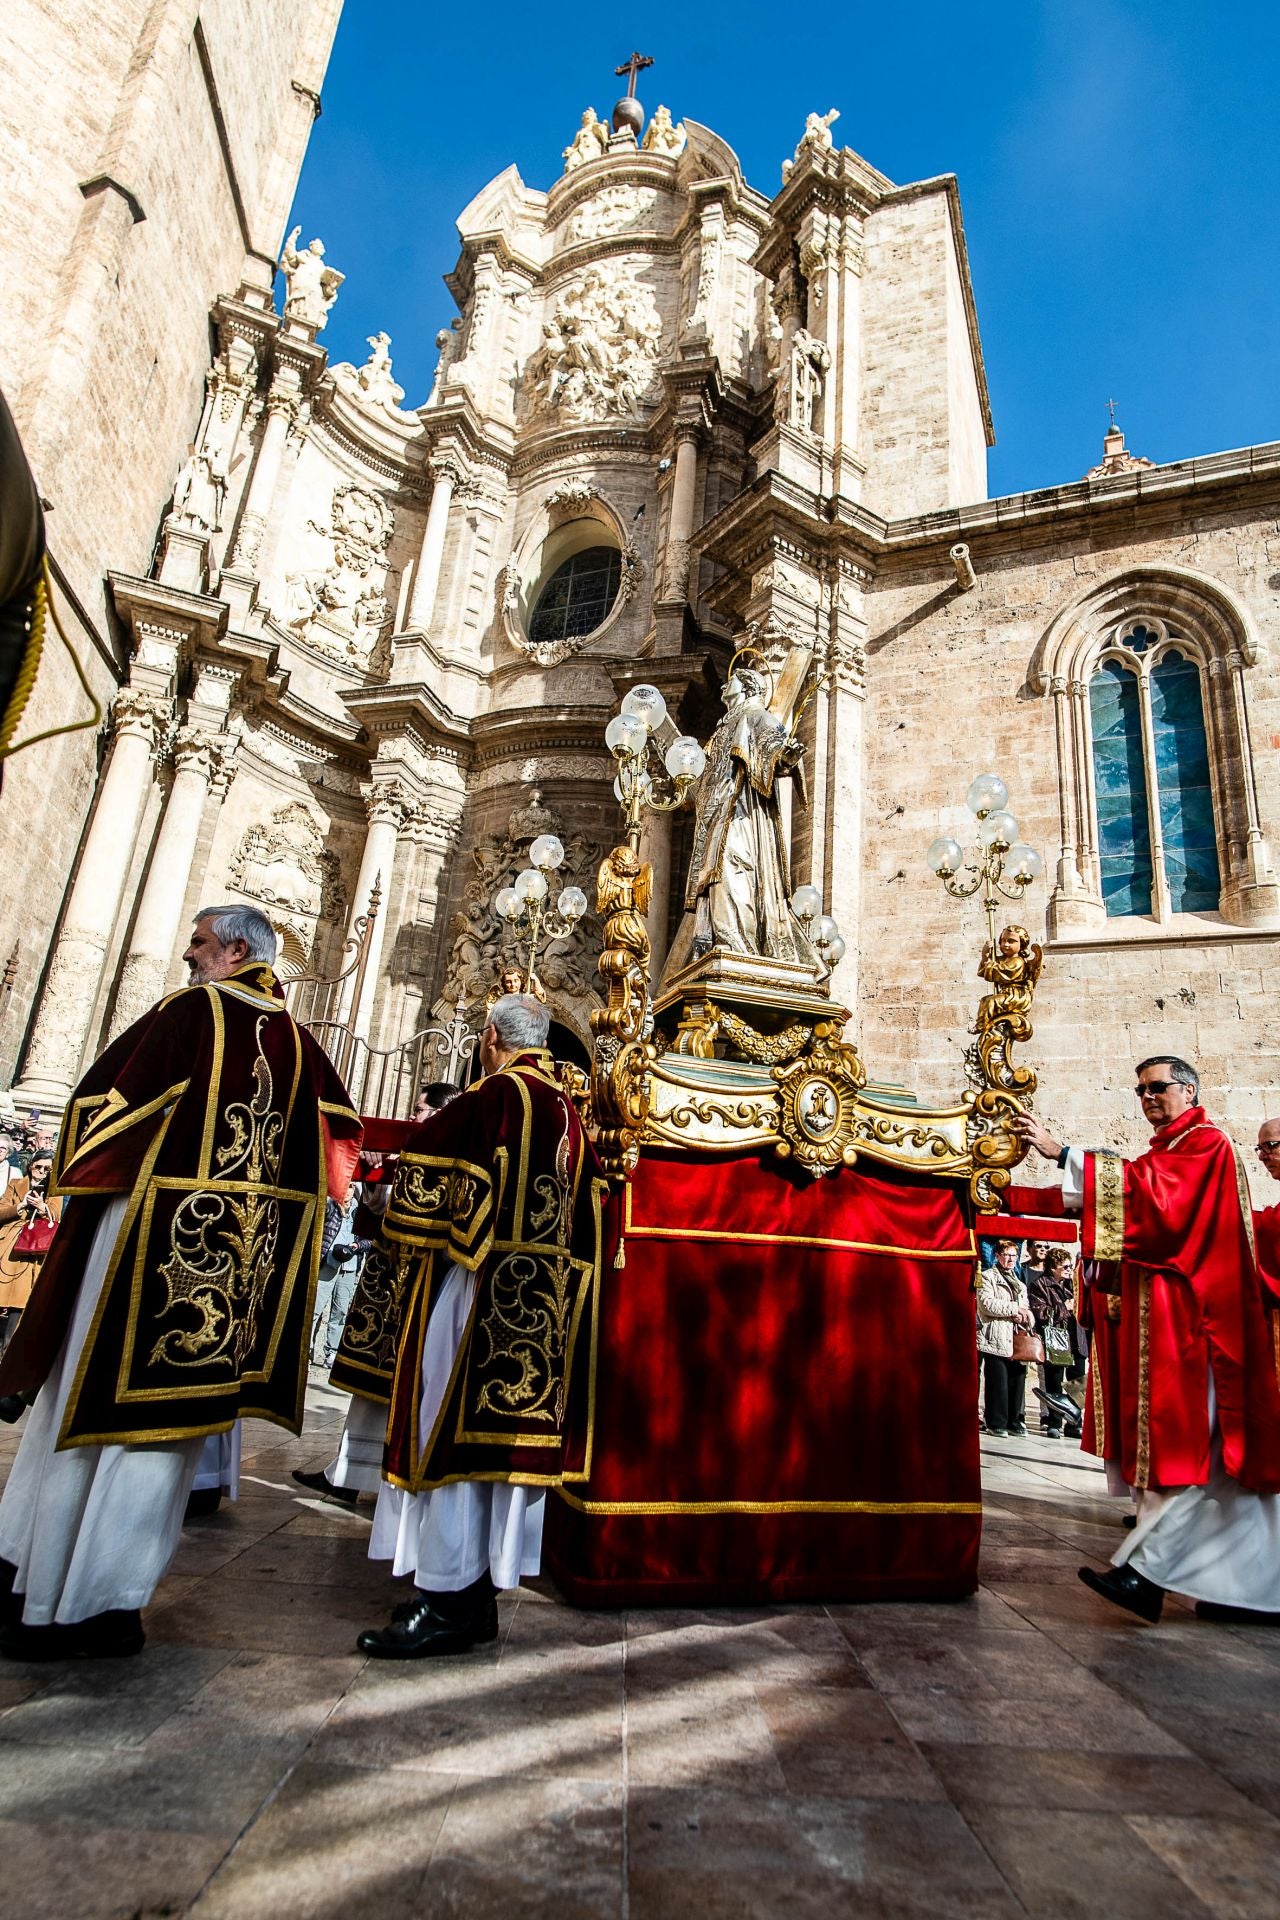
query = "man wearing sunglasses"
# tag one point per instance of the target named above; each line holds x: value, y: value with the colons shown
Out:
x: 1199, y: 1401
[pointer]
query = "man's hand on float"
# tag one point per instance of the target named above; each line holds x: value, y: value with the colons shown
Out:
x: 1028, y: 1128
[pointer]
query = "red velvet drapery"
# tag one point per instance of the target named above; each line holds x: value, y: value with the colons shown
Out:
x: 785, y: 1392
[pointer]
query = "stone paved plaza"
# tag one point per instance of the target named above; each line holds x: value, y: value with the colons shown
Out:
x: 1029, y: 1751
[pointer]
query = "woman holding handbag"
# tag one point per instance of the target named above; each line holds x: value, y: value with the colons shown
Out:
x: 1049, y: 1294
x: 1005, y: 1326
x: 29, y: 1218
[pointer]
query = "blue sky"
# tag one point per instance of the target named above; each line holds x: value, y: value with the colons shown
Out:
x: 1118, y: 164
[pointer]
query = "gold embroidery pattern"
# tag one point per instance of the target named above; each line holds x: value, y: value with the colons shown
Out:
x: 223, y: 1242
x: 522, y: 1362
x: 1142, y: 1474
x: 1108, y: 1207
x: 372, y: 1332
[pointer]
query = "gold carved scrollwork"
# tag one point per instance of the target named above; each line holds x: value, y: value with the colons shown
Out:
x: 818, y: 1103
x: 999, y: 1088
x: 623, y: 1053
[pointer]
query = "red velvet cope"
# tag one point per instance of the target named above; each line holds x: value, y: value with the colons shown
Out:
x: 785, y: 1393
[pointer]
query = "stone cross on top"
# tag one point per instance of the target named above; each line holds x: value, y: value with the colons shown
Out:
x: 628, y: 115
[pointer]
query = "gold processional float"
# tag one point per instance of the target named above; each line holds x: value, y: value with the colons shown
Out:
x: 741, y: 1047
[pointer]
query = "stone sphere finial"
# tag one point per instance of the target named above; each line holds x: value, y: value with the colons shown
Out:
x: 628, y: 113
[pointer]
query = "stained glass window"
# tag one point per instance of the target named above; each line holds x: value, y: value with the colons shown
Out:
x: 578, y: 596
x: 1120, y: 783
x: 1182, y: 781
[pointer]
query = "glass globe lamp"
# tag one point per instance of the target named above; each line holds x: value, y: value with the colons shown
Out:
x: 572, y: 904
x: 987, y: 794
x: 836, y: 950
x: 546, y: 852
x: 625, y: 734
x: 531, y: 885
x: 1024, y: 863
x: 684, y: 759
x: 646, y: 704
x: 806, y: 903
x: 507, y: 903
x: 999, y: 829
x: 945, y: 857
x: 826, y: 931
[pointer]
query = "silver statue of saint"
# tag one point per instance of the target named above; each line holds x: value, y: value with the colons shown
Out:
x: 737, y: 896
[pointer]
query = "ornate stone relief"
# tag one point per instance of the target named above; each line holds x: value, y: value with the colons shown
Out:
x: 371, y: 386
x: 572, y: 493
x: 283, y: 863
x: 599, y: 354
x: 483, y: 943
x: 614, y: 209
x: 340, y: 606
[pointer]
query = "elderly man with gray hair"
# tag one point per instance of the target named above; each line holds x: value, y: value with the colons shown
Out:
x: 1196, y: 1398
x: 197, y: 1151
x: 496, y: 1221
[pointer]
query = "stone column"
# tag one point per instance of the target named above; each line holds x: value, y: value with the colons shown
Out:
x: 387, y: 807
x: 198, y: 758
x: 847, y: 370
x: 446, y: 475
x: 53, y: 1060
x: 282, y: 410
x: 684, y: 486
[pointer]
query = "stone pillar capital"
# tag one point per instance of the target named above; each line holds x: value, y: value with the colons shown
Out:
x: 140, y: 715
x: 386, y: 804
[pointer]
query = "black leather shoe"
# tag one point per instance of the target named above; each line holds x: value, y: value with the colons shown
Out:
x: 201, y: 1502
x: 1060, y: 1403
x: 106, y: 1636
x: 12, y: 1407
x: 321, y: 1483
x: 1238, y: 1616
x: 1126, y: 1587
x: 1129, y: 1521
x: 422, y: 1633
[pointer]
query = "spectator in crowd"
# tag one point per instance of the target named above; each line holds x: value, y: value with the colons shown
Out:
x: 430, y: 1100
x: 337, y: 1252
x: 1049, y: 1297
x: 29, y: 1216
x: 1002, y: 1308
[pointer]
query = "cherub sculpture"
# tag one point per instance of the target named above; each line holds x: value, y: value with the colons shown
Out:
x: 588, y: 143
x: 310, y: 287
x: 661, y: 136
x: 1013, y: 970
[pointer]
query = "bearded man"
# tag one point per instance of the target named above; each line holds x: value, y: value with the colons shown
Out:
x: 496, y: 1214
x: 177, y: 1295
x: 1198, y: 1406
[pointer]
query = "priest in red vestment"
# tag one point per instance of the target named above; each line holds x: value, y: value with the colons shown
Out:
x: 1198, y: 1404
x: 196, y: 1154
x: 497, y: 1208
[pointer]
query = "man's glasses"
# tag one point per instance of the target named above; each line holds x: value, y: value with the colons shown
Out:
x: 1268, y: 1147
x: 1156, y: 1086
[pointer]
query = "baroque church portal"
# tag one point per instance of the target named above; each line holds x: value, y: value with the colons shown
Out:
x: 381, y: 635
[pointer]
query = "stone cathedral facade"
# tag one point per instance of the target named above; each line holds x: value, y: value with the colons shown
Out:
x: 379, y: 636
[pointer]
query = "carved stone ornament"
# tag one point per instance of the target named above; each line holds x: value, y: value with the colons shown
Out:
x: 615, y: 209
x: 371, y: 386
x: 339, y: 605
x: 484, y: 945
x: 284, y: 864
x: 590, y: 142
x: 661, y: 136
x: 816, y: 138
x: 599, y: 354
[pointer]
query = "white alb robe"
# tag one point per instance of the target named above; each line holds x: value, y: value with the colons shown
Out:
x: 358, y: 1462
x: 448, y: 1536
x: 90, y: 1529
x: 220, y: 1463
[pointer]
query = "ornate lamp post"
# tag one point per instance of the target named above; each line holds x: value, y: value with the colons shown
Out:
x: 644, y: 782
x: 1000, y: 866
x: 806, y: 904
x: 525, y: 910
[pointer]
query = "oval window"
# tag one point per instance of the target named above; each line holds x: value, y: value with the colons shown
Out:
x: 578, y: 596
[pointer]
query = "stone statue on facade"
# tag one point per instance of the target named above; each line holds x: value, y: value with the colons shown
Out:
x: 310, y: 287
x: 588, y: 143
x: 810, y: 363
x: 662, y: 137
x: 200, y: 490
x: 816, y: 138
x: 448, y: 345
x: 371, y: 385
x: 599, y: 350
x: 738, y: 893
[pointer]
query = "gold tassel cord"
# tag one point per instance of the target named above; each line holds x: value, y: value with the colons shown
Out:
x: 43, y: 605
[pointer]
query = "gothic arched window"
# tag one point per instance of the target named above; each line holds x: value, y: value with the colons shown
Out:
x: 1153, y: 792
x: 1158, y: 802
x: 578, y: 596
